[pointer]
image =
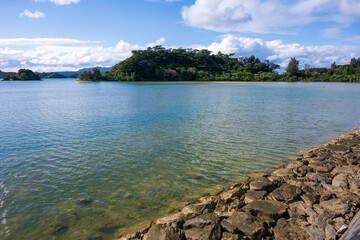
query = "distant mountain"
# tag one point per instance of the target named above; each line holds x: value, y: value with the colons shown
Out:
x: 102, y: 69
x: 65, y: 74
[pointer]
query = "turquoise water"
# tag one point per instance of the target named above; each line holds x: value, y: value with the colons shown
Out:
x: 142, y: 149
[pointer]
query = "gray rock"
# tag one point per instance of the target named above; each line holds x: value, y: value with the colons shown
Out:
x: 202, y: 221
x: 340, y: 181
x: 262, y: 183
x: 197, y: 208
x: 175, y: 220
x: 210, y: 232
x: 162, y: 232
x: 285, y: 193
x: 285, y: 230
x: 230, y: 194
x: 241, y: 222
x: 268, y: 208
x: 251, y: 196
x: 300, y: 210
x: 310, y: 198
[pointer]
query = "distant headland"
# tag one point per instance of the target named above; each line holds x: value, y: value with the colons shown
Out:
x: 161, y: 64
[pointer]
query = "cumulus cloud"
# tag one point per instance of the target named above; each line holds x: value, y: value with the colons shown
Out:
x: 56, y: 56
x: 267, y: 16
x: 35, y: 14
x: 280, y: 53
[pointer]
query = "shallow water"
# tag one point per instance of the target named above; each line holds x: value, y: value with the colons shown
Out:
x: 142, y: 149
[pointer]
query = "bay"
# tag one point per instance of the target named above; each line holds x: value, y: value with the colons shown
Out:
x: 141, y: 150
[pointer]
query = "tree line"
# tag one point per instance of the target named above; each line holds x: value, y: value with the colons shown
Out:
x: 23, y: 75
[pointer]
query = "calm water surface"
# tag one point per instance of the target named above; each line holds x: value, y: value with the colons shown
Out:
x: 141, y: 150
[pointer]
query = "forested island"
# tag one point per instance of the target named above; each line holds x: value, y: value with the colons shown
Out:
x: 161, y: 64
x: 23, y: 75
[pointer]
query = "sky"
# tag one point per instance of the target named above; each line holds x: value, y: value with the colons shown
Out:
x: 67, y: 35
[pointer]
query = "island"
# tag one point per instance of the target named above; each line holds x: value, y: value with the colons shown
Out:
x: 23, y: 75
x: 161, y: 64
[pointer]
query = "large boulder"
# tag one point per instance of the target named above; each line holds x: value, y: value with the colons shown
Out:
x: 262, y: 183
x: 285, y: 193
x: 251, y: 196
x: 241, y: 222
x: 335, y: 206
x: 267, y: 208
x: 162, y: 232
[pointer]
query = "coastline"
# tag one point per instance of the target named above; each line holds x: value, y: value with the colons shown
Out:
x: 315, y: 196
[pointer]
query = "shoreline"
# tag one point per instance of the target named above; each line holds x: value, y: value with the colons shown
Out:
x: 205, y: 82
x: 315, y: 196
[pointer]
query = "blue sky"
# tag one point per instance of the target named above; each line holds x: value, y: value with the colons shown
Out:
x: 55, y: 35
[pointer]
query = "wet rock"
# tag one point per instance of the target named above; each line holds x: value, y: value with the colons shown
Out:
x: 268, y: 208
x: 340, y: 181
x: 285, y: 193
x: 262, y: 183
x: 335, y: 206
x: 132, y: 236
x: 251, y: 196
x: 162, y: 232
x: 85, y: 201
x: 241, y: 222
x: 202, y: 221
x: 230, y: 236
x: 210, y: 232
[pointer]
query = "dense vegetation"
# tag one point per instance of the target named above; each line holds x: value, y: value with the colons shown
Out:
x: 160, y: 64
x: 23, y: 75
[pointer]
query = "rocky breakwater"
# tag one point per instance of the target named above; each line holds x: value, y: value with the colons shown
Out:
x: 314, y: 197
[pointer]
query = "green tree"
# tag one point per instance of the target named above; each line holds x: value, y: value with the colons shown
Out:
x: 293, y: 67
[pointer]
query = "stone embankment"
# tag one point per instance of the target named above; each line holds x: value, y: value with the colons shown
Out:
x: 314, y: 197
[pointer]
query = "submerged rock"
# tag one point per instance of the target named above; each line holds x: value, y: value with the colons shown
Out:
x: 85, y: 201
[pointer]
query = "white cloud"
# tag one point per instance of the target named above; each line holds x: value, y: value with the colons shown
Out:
x: 268, y: 16
x: 279, y: 52
x: 39, y: 41
x: 46, y: 57
x: 60, y: 2
x: 71, y: 54
x: 35, y: 14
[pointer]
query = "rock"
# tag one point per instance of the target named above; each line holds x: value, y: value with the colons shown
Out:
x: 268, y: 208
x: 85, y: 201
x: 283, y: 172
x: 330, y: 232
x: 197, y: 208
x: 322, y: 167
x: 176, y: 220
x: 241, y: 222
x: 254, y: 195
x: 132, y: 236
x: 337, y: 148
x: 202, y: 221
x: 285, y: 230
x: 230, y: 194
x: 285, y: 193
x: 348, y: 170
x: 302, y: 171
x: 354, y: 185
x: 313, y: 231
x: 340, y: 181
x: 300, y: 210
x: 262, y: 183
x: 335, y: 207
x: 162, y: 232
x: 210, y: 232
x: 310, y: 198
x: 338, y: 223
x: 230, y: 236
